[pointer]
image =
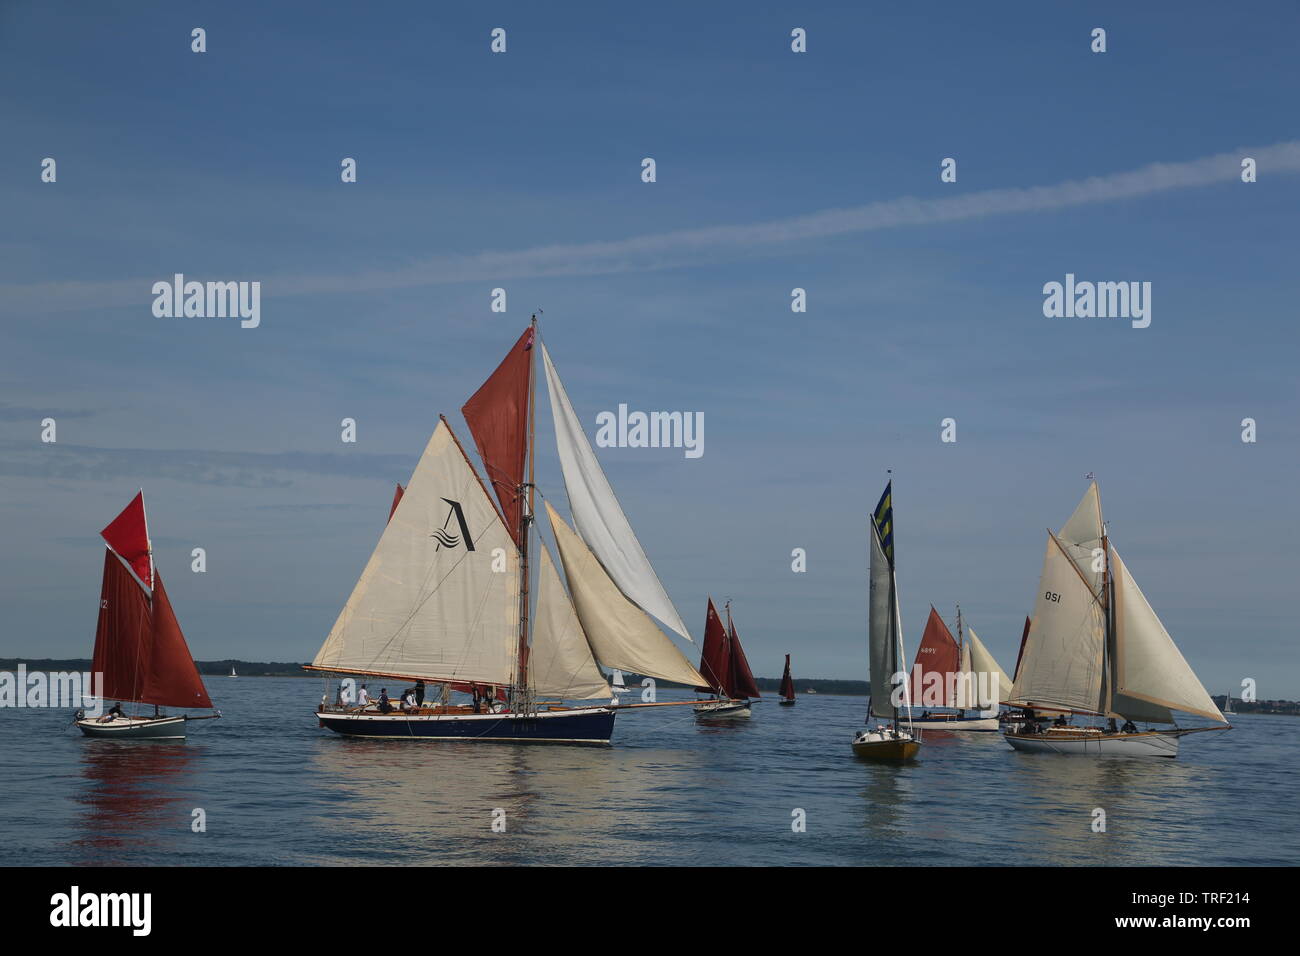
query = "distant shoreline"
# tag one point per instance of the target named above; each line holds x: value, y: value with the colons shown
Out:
x: 824, y: 686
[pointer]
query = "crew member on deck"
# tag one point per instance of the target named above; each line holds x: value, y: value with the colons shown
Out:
x: 363, y: 696
x: 419, y: 693
x: 384, y: 706
x: 113, y: 714
x: 1060, y: 721
x: 1129, y: 727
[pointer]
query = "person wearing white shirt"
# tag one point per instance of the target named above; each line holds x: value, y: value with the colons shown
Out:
x: 363, y: 696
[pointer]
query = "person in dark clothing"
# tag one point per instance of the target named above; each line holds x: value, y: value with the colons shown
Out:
x: 384, y: 705
x: 1110, y: 726
x: 113, y: 714
x: 419, y: 693
x: 1129, y: 727
x: 1060, y: 721
x: 473, y: 688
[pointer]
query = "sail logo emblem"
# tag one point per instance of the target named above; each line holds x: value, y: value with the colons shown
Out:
x: 455, y: 536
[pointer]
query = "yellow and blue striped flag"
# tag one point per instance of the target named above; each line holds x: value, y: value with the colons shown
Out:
x: 884, y: 519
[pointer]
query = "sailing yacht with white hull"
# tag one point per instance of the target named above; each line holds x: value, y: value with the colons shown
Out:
x: 1096, y: 648
x: 446, y: 595
x: 896, y: 740
x: 948, y: 674
x: 140, y: 651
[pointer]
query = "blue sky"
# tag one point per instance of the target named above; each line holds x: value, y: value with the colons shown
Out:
x: 522, y: 171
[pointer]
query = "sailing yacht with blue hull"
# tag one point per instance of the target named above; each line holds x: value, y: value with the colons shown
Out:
x: 447, y: 596
x: 588, y: 725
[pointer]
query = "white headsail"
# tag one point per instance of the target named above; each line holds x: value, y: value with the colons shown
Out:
x: 430, y: 603
x: 599, y: 517
x: 621, y: 634
x: 560, y: 662
x: 982, y: 662
x: 1151, y: 676
x: 1062, y: 664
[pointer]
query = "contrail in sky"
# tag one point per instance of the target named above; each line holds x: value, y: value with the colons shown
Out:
x: 715, y: 243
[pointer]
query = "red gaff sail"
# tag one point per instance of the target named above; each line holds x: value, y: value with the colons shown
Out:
x: 128, y: 535
x: 172, y: 680
x: 937, y: 655
x: 124, y: 634
x: 715, y: 655
x: 787, y: 682
x: 498, y: 419
x: 397, y: 497
x: 742, y: 678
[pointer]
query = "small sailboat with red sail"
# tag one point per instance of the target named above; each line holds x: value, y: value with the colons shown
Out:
x: 447, y: 597
x: 723, y: 664
x: 141, y: 657
x: 787, y: 685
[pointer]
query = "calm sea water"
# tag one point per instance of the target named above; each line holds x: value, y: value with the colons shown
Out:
x: 278, y: 790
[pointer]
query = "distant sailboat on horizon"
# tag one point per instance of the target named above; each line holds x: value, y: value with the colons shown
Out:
x: 139, y: 648
x: 787, y: 686
x: 1096, y: 648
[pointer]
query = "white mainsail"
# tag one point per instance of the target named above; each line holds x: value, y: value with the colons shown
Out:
x: 982, y: 662
x: 1062, y: 665
x: 597, y: 514
x: 560, y: 662
x: 880, y: 627
x: 621, y: 634
x: 1151, y: 676
x: 430, y: 603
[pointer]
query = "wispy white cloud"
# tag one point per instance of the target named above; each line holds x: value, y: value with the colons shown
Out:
x: 691, y: 246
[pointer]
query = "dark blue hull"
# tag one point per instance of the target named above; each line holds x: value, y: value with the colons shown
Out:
x: 583, y: 726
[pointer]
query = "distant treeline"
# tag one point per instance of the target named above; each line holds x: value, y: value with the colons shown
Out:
x: 210, y: 668
x: 852, y: 688
x: 1260, y: 706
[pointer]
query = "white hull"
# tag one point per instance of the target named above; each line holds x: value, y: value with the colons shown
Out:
x: 722, y: 708
x: 134, y: 728
x: 959, y: 723
x: 1150, y: 744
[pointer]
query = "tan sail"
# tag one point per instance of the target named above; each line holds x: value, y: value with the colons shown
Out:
x: 1082, y: 539
x: 560, y: 662
x: 1062, y: 664
x: 982, y: 662
x: 439, y: 597
x: 621, y: 635
x: 1151, y: 676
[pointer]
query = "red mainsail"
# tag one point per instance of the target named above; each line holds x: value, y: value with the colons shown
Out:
x: 123, y: 636
x: 397, y: 497
x: 937, y: 655
x: 787, y: 682
x: 172, y: 679
x: 139, y: 647
x: 715, y: 656
x: 498, y: 418
x: 128, y: 535
x: 742, y: 678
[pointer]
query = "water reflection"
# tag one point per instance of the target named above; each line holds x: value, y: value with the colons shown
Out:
x: 136, y: 798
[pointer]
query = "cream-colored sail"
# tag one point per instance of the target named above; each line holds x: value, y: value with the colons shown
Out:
x: 982, y: 662
x: 597, y: 514
x: 430, y: 602
x: 1151, y: 676
x: 621, y: 634
x: 880, y: 629
x: 1082, y: 538
x: 1063, y: 659
x: 560, y: 662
